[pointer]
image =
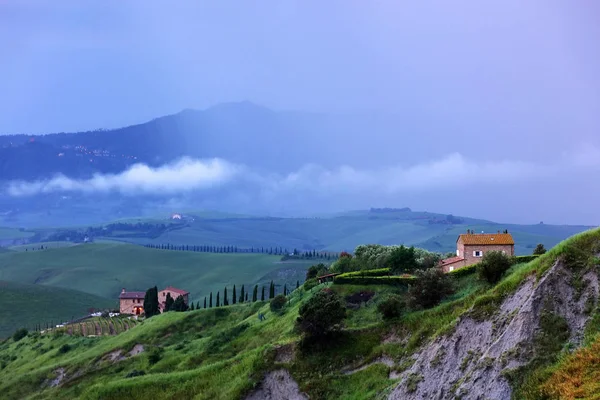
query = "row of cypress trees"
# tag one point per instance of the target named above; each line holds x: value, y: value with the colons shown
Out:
x: 243, y: 297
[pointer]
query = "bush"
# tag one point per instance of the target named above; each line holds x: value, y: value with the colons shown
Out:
x: 135, y: 373
x: 154, y: 355
x: 429, y: 288
x: 539, y: 250
x: 493, y: 265
x: 374, y: 280
x: 391, y: 307
x: 311, y: 283
x: 321, y: 314
x: 65, y: 348
x: 278, y: 302
x: 367, y: 272
x: 19, y: 334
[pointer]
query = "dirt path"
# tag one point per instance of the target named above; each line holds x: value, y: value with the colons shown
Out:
x: 98, y: 329
x: 111, y: 328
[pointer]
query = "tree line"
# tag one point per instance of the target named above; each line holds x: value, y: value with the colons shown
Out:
x: 278, y: 251
x: 151, y: 304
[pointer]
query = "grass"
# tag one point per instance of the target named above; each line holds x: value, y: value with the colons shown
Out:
x: 223, y: 353
x: 103, y: 269
x: 26, y: 305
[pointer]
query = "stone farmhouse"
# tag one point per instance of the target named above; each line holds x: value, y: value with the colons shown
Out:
x: 174, y: 292
x: 471, y: 247
x: 133, y: 302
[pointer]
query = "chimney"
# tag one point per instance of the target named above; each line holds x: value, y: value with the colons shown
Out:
x: 123, y: 290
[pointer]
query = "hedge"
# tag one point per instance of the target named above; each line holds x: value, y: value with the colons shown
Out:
x: 374, y: 280
x: 471, y: 269
x: 367, y: 272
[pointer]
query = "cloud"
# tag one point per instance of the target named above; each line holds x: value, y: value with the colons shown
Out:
x: 184, y: 175
x: 189, y: 175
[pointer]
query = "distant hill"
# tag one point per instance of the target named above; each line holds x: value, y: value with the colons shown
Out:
x: 338, y: 232
x: 28, y: 304
x: 278, y: 141
x: 104, y: 269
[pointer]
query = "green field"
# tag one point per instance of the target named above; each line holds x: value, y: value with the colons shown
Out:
x: 25, y: 305
x: 223, y: 353
x: 103, y: 269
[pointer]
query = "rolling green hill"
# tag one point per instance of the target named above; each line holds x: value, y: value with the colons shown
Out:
x: 224, y: 353
x: 103, y: 269
x: 25, y: 305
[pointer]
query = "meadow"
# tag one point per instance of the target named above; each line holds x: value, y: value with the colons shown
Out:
x: 223, y: 353
x: 103, y: 269
x: 25, y: 305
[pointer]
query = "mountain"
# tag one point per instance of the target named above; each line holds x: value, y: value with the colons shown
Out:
x: 238, y: 132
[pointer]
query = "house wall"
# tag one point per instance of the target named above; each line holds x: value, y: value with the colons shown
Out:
x: 466, y: 251
x: 454, y: 266
x: 162, y: 297
x: 126, y: 306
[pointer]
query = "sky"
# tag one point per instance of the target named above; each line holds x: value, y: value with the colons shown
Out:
x: 527, y: 71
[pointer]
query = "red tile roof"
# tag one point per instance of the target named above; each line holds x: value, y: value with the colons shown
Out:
x: 175, y: 290
x: 487, y: 238
x: 132, y: 295
x: 452, y: 260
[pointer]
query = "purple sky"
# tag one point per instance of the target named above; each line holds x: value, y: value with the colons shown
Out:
x: 527, y: 71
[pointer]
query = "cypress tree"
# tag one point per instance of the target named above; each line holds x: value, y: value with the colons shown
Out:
x: 285, y: 289
x: 210, y: 304
x: 225, y: 297
x: 218, y: 302
x: 192, y: 307
x: 262, y: 295
x: 151, y: 306
x: 234, y: 295
x: 255, y: 293
x: 242, y: 296
x: 246, y: 297
x: 297, y: 284
x: 198, y: 305
x: 204, y: 301
x: 169, y: 302
x: 271, y: 290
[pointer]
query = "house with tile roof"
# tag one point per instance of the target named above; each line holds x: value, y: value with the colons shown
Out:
x: 174, y: 292
x: 131, y: 302
x: 471, y: 247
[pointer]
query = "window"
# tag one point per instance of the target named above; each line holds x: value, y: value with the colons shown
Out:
x: 457, y: 253
x: 478, y: 253
x: 451, y: 268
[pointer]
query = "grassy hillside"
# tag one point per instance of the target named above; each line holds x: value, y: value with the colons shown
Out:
x: 223, y: 353
x: 26, y: 305
x: 103, y: 269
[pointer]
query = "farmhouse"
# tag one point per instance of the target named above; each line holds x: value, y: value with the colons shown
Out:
x: 471, y: 247
x: 131, y: 302
x: 174, y: 292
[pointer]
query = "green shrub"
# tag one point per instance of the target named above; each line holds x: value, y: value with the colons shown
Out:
x: 322, y: 313
x: 367, y: 272
x: 65, y: 348
x: 539, y: 249
x: 374, y: 280
x: 154, y: 355
x: 311, y: 283
x: 391, y: 307
x: 493, y: 265
x: 429, y: 288
x: 135, y: 373
x: 19, y: 334
x: 278, y: 302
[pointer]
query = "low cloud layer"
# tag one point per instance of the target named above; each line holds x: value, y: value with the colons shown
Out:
x: 187, y: 175
x: 182, y: 176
